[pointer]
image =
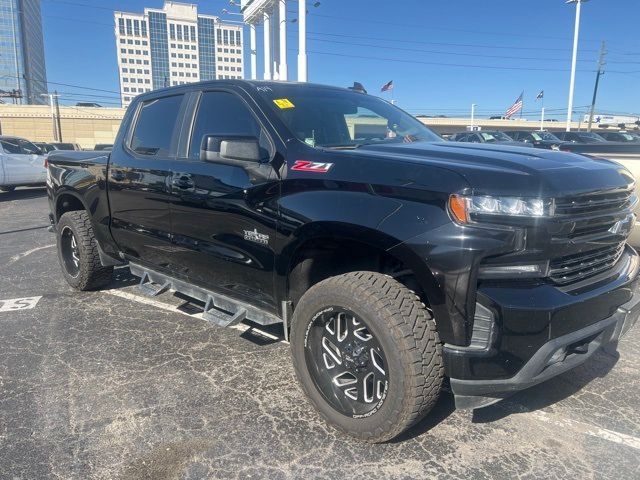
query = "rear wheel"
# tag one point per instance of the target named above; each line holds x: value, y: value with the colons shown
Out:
x: 7, y: 188
x: 367, y: 354
x: 78, y: 252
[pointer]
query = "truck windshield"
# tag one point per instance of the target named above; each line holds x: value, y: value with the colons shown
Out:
x: 333, y: 118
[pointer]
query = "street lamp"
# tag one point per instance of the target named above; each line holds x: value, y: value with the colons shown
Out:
x: 473, y: 113
x: 576, y: 34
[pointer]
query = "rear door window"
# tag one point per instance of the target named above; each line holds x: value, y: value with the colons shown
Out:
x: 11, y: 146
x: 155, y: 132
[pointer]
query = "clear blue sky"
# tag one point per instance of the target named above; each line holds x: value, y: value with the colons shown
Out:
x: 502, y: 47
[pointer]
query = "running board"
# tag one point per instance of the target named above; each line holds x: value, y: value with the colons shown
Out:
x: 219, y: 309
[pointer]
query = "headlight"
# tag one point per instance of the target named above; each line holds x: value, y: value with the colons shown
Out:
x: 465, y: 208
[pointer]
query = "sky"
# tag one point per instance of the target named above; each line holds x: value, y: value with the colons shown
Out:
x: 441, y: 55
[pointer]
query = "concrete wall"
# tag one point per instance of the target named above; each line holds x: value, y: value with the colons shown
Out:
x: 83, y: 125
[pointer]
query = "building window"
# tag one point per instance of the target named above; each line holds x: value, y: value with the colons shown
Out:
x: 179, y: 29
x: 144, y: 42
x: 219, y: 36
x: 146, y: 72
x: 126, y: 89
x: 172, y: 32
x: 124, y: 69
x: 238, y: 36
x: 174, y: 64
x: 143, y: 24
x: 138, y: 52
x: 136, y: 27
x: 146, y: 62
x: 225, y: 36
x: 129, y: 29
x: 173, y: 55
x: 146, y: 80
x: 123, y: 50
x: 193, y: 33
x: 186, y: 33
x: 121, y: 26
x: 137, y: 42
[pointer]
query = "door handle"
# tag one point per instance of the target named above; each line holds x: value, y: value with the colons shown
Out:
x: 118, y: 175
x: 182, y: 183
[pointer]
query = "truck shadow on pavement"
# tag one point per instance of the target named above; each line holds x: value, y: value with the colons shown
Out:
x: 25, y: 194
x: 552, y: 391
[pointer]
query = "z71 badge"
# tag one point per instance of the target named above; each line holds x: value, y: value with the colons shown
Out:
x: 307, y: 166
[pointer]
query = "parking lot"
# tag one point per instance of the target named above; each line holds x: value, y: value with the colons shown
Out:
x: 112, y: 384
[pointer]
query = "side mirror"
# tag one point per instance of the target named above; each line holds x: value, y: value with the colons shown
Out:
x: 231, y: 149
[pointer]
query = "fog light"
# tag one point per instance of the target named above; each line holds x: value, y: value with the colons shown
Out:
x: 558, y: 356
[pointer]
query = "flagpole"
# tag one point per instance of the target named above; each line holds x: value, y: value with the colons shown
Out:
x: 542, y: 114
x: 522, y: 108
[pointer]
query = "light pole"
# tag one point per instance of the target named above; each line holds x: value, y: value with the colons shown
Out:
x: 53, y: 114
x: 574, y: 59
x: 473, y: 114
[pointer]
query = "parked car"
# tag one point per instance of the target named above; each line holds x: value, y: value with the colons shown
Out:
x: 21, y: 164
x: 581, y: 137
x: 623, y: 137
x: 103, y: 146
x: 65, y: 146
x: 391, y: 261
x: 538, y: 139
x: 44, y: 147
x: 485, y: 137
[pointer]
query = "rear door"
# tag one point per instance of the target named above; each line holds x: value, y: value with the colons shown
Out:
x: 139, y: 181
x: 223, y: 215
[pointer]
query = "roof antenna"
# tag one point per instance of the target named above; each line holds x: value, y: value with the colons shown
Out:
x: 358, y: 87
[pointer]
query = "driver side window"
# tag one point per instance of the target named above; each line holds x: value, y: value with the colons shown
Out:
x: 220, y: 114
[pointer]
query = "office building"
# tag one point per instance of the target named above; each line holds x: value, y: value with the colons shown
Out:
x: 173, y: 46
x: 23, y: 76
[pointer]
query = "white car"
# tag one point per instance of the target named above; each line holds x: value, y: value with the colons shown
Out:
x: 21, y: 164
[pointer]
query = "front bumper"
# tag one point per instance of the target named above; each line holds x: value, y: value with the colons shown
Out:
x: 553, y: 358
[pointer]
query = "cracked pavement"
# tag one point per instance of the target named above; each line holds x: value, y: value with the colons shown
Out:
x: 110, y: 385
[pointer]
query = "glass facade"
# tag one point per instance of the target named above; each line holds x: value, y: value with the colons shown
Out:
x: 159, y: 49
x: 22, y: 65
x: 206, y: 27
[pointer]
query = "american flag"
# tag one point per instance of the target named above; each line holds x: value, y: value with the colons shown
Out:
x: 516, y: 107
x: 387, y: 86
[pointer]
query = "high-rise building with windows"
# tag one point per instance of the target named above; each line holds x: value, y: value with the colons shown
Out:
x: 22, y: 68
x: 172, y: 46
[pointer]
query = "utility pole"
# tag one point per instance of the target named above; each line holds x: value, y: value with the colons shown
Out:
x: 601, y: 64
x: 55, y: 95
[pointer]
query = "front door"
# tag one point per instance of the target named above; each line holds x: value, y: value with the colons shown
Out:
x: 223, y: 215
x: 139, y: 177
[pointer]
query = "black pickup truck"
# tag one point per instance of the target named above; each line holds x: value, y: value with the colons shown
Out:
x: 393, y: 259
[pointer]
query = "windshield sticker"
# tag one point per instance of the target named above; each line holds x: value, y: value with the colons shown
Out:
x: 283, y: 103
x: 307, y: 166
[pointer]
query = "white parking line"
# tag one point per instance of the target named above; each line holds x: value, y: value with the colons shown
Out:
x: 586, y: 429
x: 15, y: 304
x: 171, y: 308
x: 17, y: 257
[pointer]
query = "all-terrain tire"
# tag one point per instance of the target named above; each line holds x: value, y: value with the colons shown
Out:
x: 7, y: 188
x: 405, y: 330
x: 84, y: 271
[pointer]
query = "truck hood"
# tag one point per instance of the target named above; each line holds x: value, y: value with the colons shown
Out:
x: 507, y: 170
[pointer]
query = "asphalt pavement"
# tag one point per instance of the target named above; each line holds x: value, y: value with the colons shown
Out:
x: 114, y: 385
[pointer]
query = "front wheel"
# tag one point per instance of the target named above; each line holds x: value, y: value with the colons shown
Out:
x: 367, y: 354
x: 78, y: 252
x: 7, y: 188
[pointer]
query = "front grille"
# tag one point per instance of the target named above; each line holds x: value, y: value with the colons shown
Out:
x: 594, y: 203
x: 573, y: 268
